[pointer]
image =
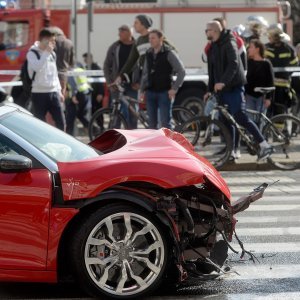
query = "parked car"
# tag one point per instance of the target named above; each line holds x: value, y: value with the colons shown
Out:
x: 122, y: 215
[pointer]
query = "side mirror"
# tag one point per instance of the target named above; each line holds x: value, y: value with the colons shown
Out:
x: 15, y: 163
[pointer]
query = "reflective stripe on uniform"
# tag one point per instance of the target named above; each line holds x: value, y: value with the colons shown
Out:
x: 285, y: 55
x: 294, y: 61
x: 269, y: 53
x: 282, y: 82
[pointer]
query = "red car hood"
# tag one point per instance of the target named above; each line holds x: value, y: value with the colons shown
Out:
x: 161, y: 157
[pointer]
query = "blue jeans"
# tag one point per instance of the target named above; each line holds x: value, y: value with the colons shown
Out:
x: 130, y: 118
x: 236, y: 106
x: 257, y: 104
x: 159, y: 102
x: 209, y: 105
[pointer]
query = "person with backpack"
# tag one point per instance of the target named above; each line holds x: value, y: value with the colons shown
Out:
x: 46, y: 91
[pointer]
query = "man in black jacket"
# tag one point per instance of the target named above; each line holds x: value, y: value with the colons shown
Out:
x: 227, y: 77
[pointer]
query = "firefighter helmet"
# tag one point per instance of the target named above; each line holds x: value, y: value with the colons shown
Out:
x: 255, y: 27
x: 277, y: 34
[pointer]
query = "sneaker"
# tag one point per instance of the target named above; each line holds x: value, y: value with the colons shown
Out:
x: 265, y: 153
x: 232, y: 157
x: 237, y: 154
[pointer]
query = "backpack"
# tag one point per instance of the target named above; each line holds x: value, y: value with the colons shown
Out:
x: 24, y: 76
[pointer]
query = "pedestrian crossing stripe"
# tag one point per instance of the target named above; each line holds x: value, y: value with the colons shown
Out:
x: 275, y: 207
x: 285, y: 247
x: 267, y: 271
x: 268, y: 231
x: 267, y: 219
x: 282, y: 199
x: 288, y: 189
x: 258, y: 180
x: 254, y: 296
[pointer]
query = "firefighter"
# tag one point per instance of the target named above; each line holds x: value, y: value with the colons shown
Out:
x: 78, y: 103
x: 281, y: 54
x: 255, y: 28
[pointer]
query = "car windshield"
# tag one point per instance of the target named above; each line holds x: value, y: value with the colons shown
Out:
x: 55, y: 143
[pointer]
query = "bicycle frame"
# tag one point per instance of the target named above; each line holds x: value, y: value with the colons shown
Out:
x: 139, y: 114
x: 244, y: 135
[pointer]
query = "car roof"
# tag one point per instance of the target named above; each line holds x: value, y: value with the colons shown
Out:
x: 10, y: 107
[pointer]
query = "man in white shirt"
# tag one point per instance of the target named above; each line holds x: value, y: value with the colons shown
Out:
x: 46, y: 89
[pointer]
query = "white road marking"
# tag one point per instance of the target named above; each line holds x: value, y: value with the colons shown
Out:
x: 266, y: 219
x: 268, y: 247
x: 268, y: 271
x: 275, y: 207
x: 268, y: 231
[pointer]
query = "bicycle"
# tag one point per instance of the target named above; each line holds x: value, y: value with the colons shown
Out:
x: 212, y: 139
x: 111, y: 117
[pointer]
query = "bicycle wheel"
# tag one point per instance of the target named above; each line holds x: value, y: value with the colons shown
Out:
x: 190, y: 129
x: 104, y: 119
x: 179, y: 116
x: 284, y: 135
x: 211, y: 138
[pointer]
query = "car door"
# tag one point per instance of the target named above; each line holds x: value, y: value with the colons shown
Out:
x: 25, y: 199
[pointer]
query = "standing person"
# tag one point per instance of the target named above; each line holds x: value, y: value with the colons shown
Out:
x: 281, y: 54
x: 227, y: 77
x: 260, y: 74
x: 239, y: 41
x: 64, y: 50
x: 78, y: 102
x: 116, y: 57
x: 97, y: 87
x: 46, y: 89
x: 160, y: 65
x: 210, y: 102
x: 141, y: 25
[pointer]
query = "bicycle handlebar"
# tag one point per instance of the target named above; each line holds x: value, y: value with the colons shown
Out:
x: 118, y: 86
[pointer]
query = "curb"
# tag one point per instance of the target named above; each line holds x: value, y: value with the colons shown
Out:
x: 248, y: 166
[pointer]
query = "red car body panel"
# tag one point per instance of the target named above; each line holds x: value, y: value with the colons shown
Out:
x: 28, y: 276
x: 59, y: 219
x: 146, y: 155
x: 25, y: 200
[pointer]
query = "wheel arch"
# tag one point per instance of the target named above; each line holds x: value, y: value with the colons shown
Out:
x: 114, y: 196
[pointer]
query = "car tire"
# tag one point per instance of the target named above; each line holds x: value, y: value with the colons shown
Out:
x: 192, y: 99
x: 119, y: 251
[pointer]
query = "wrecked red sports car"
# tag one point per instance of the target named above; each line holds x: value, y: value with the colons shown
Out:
x: 121, y: 216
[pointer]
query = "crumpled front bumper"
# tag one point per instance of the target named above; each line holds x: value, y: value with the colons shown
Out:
x: 244, y: 202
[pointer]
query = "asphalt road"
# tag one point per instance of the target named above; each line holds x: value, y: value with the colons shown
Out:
x: 270, y: 229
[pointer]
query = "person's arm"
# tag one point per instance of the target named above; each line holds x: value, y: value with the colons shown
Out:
x: 34, y: 62
x: 231, y: 53
x: 178, y: 69
x: 107, y: 66
x: 294, y: 58
x: 269, y: 82
x: 73, y: 86
x: 145, y: 77
x: 72, y: 57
